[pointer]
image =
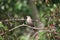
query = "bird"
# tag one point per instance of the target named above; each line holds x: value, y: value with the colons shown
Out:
x: 29, y: 21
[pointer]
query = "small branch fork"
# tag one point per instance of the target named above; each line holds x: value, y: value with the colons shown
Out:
x: 22, y: 26
x: 7, y: 20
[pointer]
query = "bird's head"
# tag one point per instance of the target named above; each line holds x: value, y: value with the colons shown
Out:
x: 28, y: 16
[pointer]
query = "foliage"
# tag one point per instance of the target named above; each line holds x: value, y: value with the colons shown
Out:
x: 49, y: 12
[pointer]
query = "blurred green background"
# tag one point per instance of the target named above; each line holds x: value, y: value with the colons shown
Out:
x: 49, y: 12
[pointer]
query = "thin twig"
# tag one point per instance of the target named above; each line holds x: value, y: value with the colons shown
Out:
x: 12, y: 20
x: 25, y: 26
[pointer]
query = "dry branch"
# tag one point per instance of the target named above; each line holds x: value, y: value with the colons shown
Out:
x: 12, y: 20
x: 25, y: 26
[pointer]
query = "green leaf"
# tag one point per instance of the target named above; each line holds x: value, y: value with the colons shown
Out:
x: 22, y: 38
x: 1, y: 25
x: 42, y: 36
x: 1, y: 38
x: 18, y: 5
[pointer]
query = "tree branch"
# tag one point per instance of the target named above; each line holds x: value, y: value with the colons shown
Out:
x: 12, y: 20
x: 25, y: 26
